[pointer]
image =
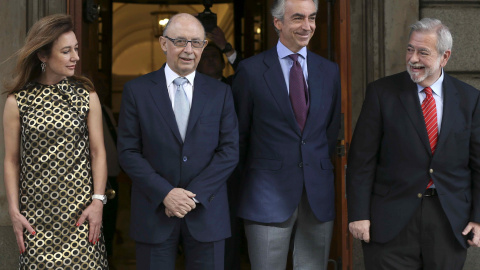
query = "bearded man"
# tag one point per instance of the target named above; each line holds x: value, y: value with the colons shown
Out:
x: 413, y: 178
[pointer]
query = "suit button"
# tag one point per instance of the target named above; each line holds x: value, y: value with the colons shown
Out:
x: 303, y: 142
x: 185, y: 159
x: 419, y: 195
x: 431, y: 170
x: 300, y: 164
x: 211, y: 198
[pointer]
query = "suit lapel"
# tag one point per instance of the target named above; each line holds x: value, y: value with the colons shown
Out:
x: 276, y: 84
x: 159, y: 94
x: 198, y: 102
x: 408, y: 94
x: 450, y: 104
x: 316, y: 91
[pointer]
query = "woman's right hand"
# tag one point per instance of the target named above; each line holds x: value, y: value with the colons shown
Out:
x: 20, y: 223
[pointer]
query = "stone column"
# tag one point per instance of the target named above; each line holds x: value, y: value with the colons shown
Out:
x: 13, y: 29
x: 379, y: 34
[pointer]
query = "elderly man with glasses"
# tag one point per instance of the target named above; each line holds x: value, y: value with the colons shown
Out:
x: 178, y: 142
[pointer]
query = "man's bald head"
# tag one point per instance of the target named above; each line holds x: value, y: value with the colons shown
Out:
x: 181, y: 17
x: 183, y: 29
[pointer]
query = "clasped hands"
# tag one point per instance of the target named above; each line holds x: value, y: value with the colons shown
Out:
x: 179, y: 202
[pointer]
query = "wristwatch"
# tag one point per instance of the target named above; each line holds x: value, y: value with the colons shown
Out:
x: 228, y: 47
x: 102, y: 198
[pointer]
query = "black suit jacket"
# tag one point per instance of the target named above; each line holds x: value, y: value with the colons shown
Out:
x: 152, y: 153
x: 390, y: 161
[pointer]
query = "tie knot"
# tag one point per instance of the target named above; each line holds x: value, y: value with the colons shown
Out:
x: 294, y: 57
x: 428, y: 91
x: 180, y: 81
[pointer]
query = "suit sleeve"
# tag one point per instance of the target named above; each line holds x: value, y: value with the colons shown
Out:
x: 244, y: 108
x: 363, y: 157
x: 225, y: 158
x: 475, y: 163
x: 335, y: 120
x: 129, y: 144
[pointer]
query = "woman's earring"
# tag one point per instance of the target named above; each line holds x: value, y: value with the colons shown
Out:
x: 43, y: 65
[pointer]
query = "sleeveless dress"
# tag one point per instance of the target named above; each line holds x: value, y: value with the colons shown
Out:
x: 56, y: 182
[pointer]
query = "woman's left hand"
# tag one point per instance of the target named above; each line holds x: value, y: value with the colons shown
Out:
x: 93, y: 213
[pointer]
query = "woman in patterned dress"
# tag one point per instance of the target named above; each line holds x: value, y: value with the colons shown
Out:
x: 55, y: 159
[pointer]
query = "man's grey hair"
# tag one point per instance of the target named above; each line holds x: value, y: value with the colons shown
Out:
x: 278, y: 10
x: 165, y: 30
x: 444, y: 37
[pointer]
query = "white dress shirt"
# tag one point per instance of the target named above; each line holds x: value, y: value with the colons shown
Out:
x: 437, y: 92
x: 170, y: 76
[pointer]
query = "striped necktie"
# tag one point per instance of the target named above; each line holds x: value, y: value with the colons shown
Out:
x: 430, y: 114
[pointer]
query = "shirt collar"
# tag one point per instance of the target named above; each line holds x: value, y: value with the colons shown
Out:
x: 170, y: 75
x: 436, y: 86
x: 283, y: 51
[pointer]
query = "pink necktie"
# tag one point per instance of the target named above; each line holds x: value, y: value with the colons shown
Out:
x: 430, y: 114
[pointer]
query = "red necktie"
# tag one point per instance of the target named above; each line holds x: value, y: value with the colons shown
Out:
x: 298, y: 92
x: 430, y: 114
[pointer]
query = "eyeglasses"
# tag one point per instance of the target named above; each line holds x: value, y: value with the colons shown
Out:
x: 181, y: 42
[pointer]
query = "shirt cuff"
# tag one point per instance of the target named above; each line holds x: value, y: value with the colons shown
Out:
x: 232, y: 57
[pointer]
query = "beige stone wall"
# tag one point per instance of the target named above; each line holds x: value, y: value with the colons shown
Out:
x: 462, y: 19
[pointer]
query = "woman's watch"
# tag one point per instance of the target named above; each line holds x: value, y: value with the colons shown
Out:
x: 102, y: 198
x: 228, y: 47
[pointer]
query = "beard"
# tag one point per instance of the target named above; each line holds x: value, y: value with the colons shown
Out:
x: 416, y: 77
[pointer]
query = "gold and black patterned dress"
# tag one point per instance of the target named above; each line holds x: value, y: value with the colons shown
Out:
x: 56, y: 177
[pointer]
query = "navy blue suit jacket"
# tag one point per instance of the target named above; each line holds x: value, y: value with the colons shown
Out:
x: 390, y: 161
x: 152, y: 153
x: 277, y: 160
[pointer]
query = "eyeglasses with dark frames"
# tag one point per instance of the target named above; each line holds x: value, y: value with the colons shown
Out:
x: 181, y: 42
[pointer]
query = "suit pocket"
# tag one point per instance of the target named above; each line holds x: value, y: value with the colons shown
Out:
x: 266, y: 164
x: 380, y: 189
